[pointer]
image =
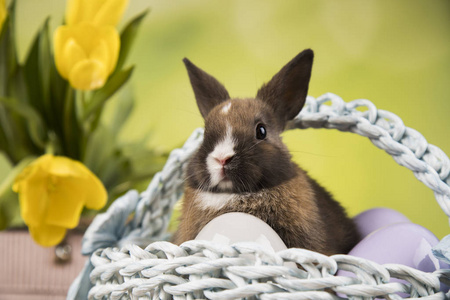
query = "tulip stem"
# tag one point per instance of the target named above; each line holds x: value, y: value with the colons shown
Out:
x: 80, y: 106
x: 69, y: 130
x: 83, y: 124
x: 50, y: 148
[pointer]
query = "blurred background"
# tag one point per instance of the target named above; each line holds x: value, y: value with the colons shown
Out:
x: 394, y: 53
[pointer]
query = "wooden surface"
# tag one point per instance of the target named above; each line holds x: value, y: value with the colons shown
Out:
x: 29, y: 271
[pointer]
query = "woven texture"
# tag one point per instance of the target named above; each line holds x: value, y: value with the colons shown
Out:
x: 199, y: 269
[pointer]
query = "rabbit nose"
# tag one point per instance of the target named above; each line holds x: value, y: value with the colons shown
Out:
x: 224, y: 160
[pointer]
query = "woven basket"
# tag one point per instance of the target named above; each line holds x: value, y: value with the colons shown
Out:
x: 120, y: 269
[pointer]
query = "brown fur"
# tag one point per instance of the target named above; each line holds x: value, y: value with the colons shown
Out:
x: 298, y: 210
x: 265, y: 182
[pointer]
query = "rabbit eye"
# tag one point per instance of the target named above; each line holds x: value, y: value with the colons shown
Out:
x: 261, y: 132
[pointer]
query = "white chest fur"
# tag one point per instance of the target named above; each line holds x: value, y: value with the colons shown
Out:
x: 214, y: 201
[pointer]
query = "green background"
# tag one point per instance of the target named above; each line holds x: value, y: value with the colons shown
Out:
x: 394, y: 53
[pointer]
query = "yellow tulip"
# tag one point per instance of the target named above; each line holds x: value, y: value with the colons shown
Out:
x: 97, y: 12
x: 52, y: 193
x: 2, y: 12
x: 86, y: 54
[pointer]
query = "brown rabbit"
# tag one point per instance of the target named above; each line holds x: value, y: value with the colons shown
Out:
x: 243, y: 165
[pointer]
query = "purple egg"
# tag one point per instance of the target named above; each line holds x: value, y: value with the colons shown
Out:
x: 400, y: 243
x: 376, y: 218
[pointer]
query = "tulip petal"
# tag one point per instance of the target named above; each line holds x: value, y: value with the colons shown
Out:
x: 21, y: 177
x: 73, y: 54
x: 73, y: 12
x: 66, y: 202
x: 52, y: 192
x: 86, y: 54
x: 101, y: 53
x: 111, y: 37
x: 63, y: 166
x: 110, y: 12
x: 32, y: 185
x: 78, y: 11
x: 99, y: 12
x: 33, y: 199
x: 65, y: 205
x: 88, y: 75
x: 47, y: 235
x: 96, y: 194
x: 60, y: 37
x: 86, y: 35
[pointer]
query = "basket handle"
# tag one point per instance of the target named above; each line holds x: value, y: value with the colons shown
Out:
x: 386, y: 131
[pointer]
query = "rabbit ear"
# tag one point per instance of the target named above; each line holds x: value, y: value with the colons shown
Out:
x: 286, y: 92
x: 208, y: 91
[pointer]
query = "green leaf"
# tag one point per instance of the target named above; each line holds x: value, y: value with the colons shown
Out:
x: 36, y: 127
x: 6, y: 133
x: 15, y: 139
x: 127, y: 38
x: 99, y: 97
x: 143, y: 164
x: 99, y: 150
x: 9, y: 210
x: 8, y: 53
x: 115, y: 170
x: 124, y: 107
x: 44, y: 64
x: 37, y: 71
x: 14, y: 136
x: 58, y: 93
x: 72, y: 131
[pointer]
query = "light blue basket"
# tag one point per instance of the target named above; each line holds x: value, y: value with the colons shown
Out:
x: 120, y: 269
